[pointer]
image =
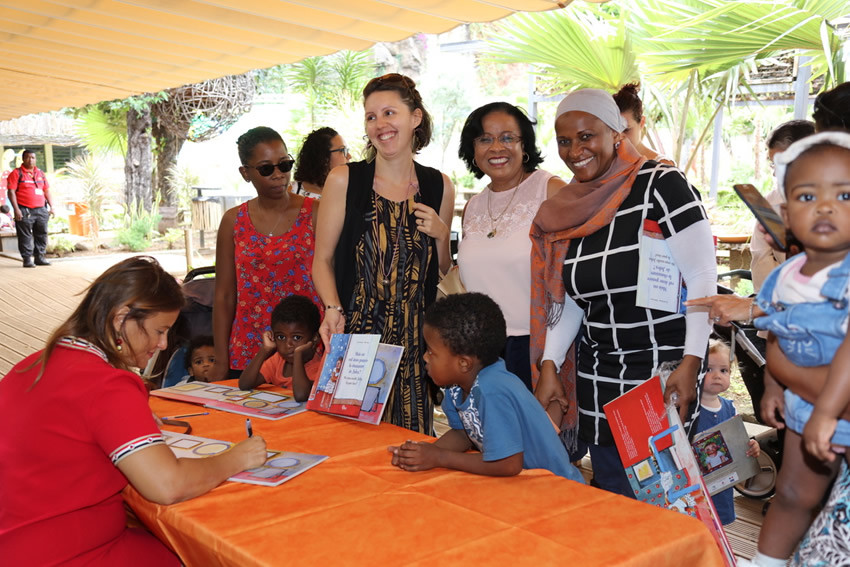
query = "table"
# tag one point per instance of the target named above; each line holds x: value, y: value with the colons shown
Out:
x: 357, y: 509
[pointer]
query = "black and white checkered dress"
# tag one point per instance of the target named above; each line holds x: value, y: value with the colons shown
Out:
x: 621, y: 344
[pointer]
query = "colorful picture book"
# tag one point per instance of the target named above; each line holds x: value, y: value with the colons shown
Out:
x: 253, y: 403
x: 659, y: 461
x: 722, y: 455
x: 280, y: 466
x: 356, y: 378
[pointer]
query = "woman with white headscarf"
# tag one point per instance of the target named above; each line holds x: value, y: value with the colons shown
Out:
x: 587, y: 244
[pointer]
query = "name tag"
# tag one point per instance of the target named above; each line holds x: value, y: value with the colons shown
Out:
x: 38, y: 191
x: 659, y: 279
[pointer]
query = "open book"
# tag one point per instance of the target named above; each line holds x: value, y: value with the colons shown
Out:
x: 660, y: 464
x: 253, y: 403
x: 280, y: 466
x: 356, y: 378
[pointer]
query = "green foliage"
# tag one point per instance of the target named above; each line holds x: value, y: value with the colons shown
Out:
x: 172, y: 236
x: 57, y: 224
x: 464, y: 180
x: 92, y: 179
x: 139, y: 228
x: 182, y: 179
x: 60, y: 245
x: 103, y: 130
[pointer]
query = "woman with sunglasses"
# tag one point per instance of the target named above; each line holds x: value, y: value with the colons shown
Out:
x: 263, y: 253
x: 383, y: 239
x: 322, y: 150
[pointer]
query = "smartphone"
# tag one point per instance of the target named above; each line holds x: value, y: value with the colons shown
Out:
x: 763, y: 212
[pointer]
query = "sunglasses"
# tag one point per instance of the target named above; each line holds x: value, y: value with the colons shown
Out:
x: 343, y: 150
x: 285, y: 166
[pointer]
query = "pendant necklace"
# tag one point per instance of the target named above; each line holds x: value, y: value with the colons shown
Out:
x: 277, y: 222
x: 495, y: 222
x: 385, y: 271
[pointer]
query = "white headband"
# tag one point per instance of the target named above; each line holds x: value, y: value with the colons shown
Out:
x: 783, y: 159
x: 596, y: 102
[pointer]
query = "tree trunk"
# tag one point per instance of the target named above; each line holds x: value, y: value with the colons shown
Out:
x: 168, y: 148
x: 138, y: 165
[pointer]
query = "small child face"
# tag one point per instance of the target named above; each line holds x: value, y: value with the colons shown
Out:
x: 289, y: 336
x: 711, y: 449
x: 817, y: 187
x: 203, y: 359
x: 718, y: 374
x: 440, y: 362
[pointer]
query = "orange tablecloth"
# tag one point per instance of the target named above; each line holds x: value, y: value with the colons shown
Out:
x: 357, y: 509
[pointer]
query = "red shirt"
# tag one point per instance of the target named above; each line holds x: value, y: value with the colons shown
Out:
x: 29, y: 186
x: 60, y: 441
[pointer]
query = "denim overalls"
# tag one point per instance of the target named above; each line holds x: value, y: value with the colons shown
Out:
x: 809, y: 333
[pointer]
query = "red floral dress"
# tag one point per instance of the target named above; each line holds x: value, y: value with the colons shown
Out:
x: 268, y: 268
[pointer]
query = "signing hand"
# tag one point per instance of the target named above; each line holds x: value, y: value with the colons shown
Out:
x: 415, y: 456
x: 251, y: 452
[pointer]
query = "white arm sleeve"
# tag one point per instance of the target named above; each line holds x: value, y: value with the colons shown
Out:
x: 693, y: 252
x: 561, y: 336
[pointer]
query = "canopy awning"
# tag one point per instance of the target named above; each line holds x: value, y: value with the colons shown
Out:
x: 60, y: 53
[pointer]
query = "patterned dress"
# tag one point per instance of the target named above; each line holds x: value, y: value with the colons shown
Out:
x: 268, y: 268
x: 390, y: 301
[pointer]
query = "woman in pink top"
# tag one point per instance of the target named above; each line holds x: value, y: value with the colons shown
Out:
x: 263, y: 253
x: 498, y: 141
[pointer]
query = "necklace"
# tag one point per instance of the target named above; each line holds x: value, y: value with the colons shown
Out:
x: 277, y: 222
x: 495, y: 221
x: 384, y: 271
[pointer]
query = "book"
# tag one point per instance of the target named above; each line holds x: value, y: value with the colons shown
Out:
x: 280, y: 466
x: 721, y: 453
x: 253, y: 403
x: 357, y: 376
x: 660, y: 464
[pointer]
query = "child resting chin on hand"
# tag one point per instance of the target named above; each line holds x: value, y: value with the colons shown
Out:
x: 488, y: 408
x: 288, y: 355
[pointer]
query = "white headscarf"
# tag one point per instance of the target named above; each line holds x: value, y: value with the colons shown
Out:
x: 596, y: 102
x: 783, y: 159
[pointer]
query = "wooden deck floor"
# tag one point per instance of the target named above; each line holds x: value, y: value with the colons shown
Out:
x: 34, y: 301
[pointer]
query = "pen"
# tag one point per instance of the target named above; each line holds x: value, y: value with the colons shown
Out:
x: 185, y: 415
x: 248, y: 427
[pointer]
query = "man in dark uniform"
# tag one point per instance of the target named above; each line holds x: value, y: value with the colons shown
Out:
x: 31, y: 203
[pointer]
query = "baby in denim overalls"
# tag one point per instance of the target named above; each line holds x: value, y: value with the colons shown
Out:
x: 805, y: 307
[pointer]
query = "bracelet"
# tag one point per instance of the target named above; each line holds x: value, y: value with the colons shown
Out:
x: 752, y: 306
x: 336, y: 307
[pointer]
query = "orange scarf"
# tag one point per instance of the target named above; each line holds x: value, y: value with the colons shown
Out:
x: 577, y: 210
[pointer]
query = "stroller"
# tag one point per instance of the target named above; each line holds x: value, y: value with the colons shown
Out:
x: 167, y: 367
x: 749, y: 350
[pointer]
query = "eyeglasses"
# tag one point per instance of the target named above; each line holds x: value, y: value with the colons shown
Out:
x: 285, y: 166
x: 343, y: 150
x: 486, y: 141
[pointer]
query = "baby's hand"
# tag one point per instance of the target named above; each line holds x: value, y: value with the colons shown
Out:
x: 753, y: 449
x: 268, y: 341
x: 817, y: 435
x: 415, y: 456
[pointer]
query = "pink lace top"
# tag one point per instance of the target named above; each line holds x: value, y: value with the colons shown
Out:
x: 268, y: 268
x: 500, y: 266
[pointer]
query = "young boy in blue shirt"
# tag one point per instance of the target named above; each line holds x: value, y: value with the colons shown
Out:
x: 488, y: 408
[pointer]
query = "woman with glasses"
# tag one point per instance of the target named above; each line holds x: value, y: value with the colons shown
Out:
x: 322, y: 150
x: 263, y: 252
x: 383, y: 239
x: 498, y: 141
x: 619, y: 211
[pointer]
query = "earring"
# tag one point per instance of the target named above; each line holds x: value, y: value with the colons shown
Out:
x: 617, y: 146
x: 118, y: 342
x: 475, y: 164
x: 525, y: 157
